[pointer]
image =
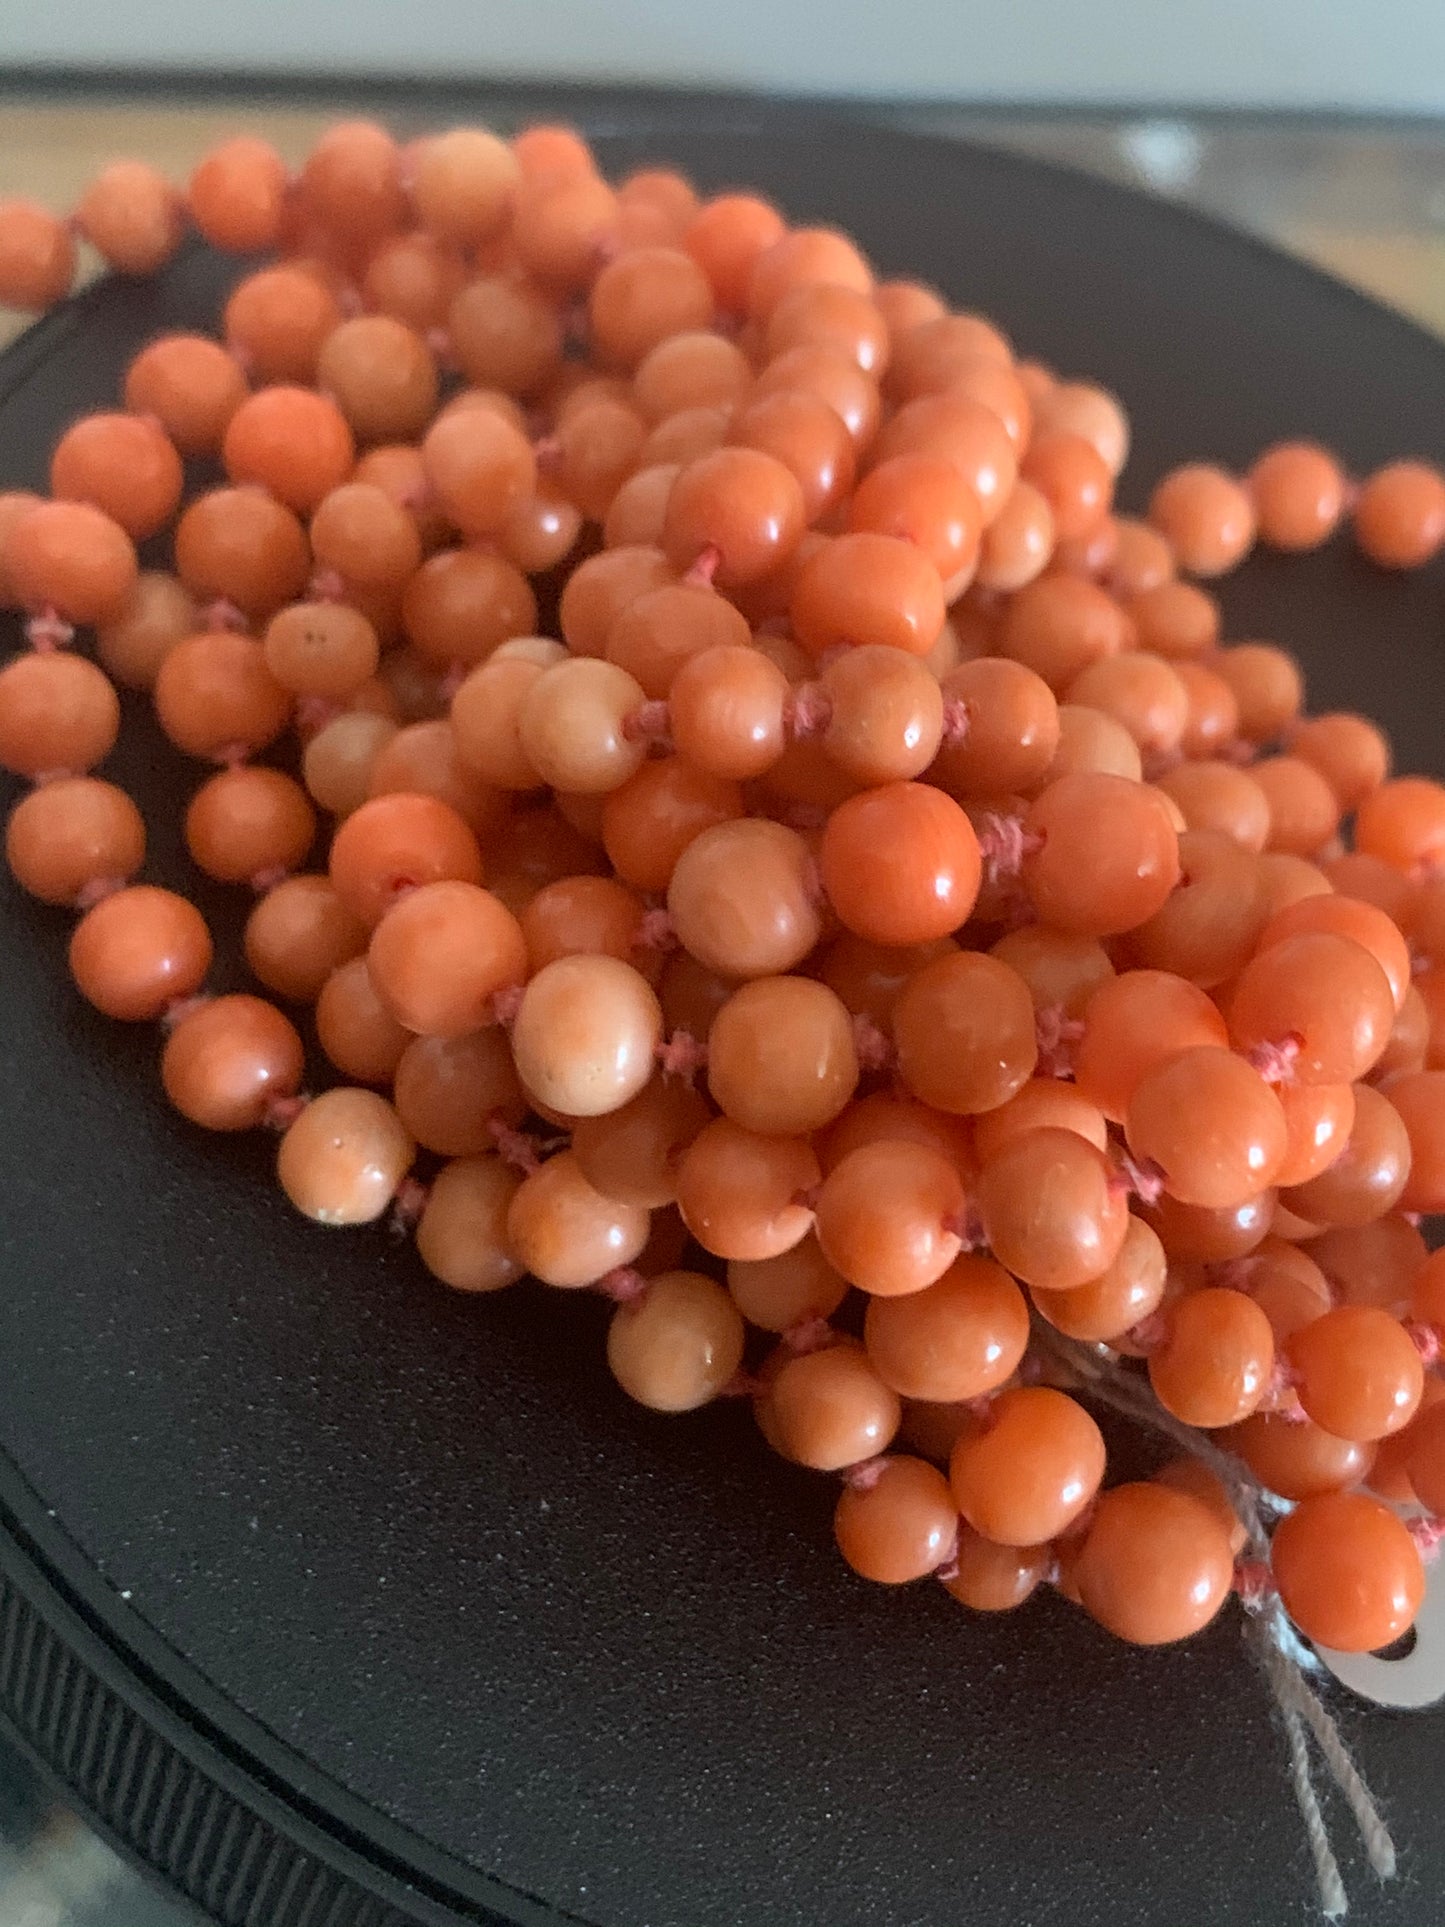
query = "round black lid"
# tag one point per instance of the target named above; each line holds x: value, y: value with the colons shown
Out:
x: 342, y: 1599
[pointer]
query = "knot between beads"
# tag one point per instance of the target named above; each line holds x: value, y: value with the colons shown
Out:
x: 49, y: 631
x: 1057, y: 1036
x: 1003, y: 843
x: 1276, y: 1062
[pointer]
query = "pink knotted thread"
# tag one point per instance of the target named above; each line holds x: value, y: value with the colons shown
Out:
x: 1235, y: 1274
x: 407, y: 1207
x: 863, y: 1476
x: 439, y: 345
x: 1003, y: 843
x: 349, y: 301
x: 705, y: 567
x: 311, y: 714
x: 326, y: 585
x: 1141, y: 1177
x: 1281, y: 1396
x: 682, y: 1055
x: 967, y: 1226
x: 96, y: 891
x: 512, y: 1146
x: 1276, y: 1062
x: 802, y: 817
x: 548, y: 451
x: 1079, y: 1527
x: 282, y: 1112
x: 1254, y: 1583
x: 742, y: 1384
x: 48, y: 631
x: 180, y: 1008
x: 807, y: 712
x: 452, y: 679
x: 417, y: 495
x: 957, y: 721
x: 574, y: 316
x: 232, y: 755
x: 1058, y: 1036
x: 1238, y: 752
x: 1149, y: 1334
x: 1159, y: 763
x: 807, y: 1198
x: 871, y: 1046
x: 623, y: 1285
x: 263, y: 882
x: 1426, y: 1340
x: 947, y: 1567
x: 506, y: 1005
x: 650, y: 722
x: 1427, y: 1533
x: 396, y: 887
x: 42, y: 777
x: 223, y: 614
x: 656, y: 932
x: 808, y: 1335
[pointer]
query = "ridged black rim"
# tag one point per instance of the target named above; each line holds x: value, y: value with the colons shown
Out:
x: 161, y: 1791
x: 153, y: 1801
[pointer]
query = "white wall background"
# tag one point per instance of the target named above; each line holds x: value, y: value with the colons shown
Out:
x: 1388, y: 56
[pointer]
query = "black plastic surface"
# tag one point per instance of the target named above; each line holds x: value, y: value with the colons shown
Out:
x: 410, y: 1565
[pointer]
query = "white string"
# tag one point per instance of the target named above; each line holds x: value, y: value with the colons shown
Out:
x: 1334, y: 1903
x: 1276, y: 1646
x: 1346, y: 1775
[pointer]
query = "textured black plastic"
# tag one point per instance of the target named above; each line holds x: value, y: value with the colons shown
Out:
x: 402, y: 1575
x: 150, y: 1797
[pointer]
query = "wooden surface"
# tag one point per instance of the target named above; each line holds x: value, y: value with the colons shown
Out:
x: 1363, y: 202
